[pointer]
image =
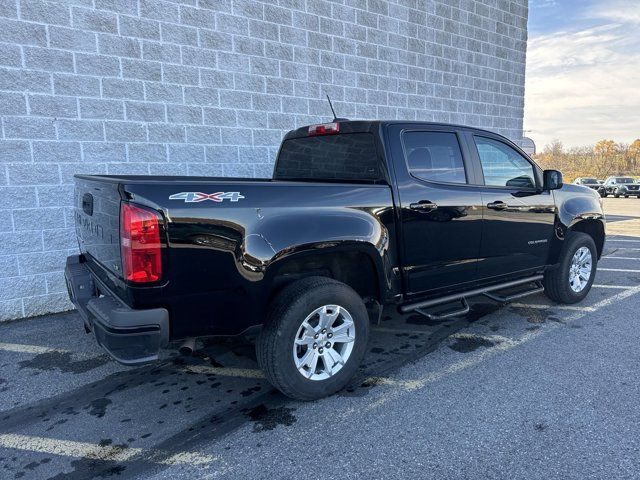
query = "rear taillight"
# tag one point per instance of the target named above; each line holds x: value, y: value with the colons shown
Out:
x: 140, y: 244
x: 324, y: 129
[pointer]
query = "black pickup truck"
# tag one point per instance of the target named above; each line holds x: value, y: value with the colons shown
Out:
x: 359, y: 215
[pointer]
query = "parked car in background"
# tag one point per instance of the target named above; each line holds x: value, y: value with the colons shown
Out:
x: 590, y: 182
x: 621, y: 187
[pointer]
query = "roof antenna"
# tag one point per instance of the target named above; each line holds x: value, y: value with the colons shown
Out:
x: 335, y: 118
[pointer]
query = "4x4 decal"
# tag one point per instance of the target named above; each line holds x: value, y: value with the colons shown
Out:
x: 194, y: 197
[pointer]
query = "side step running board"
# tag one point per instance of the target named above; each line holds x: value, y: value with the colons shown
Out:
x: 539, y: 288
x: 443, y: 316
x: 462, y: 297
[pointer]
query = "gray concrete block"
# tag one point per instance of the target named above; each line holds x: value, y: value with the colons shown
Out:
x: 201, y: 96
x: 166, y: 133
x: 8, y: 266
x: 235, y: 99
x: 94, y: 20
x: 220, y: 117
x: 9, y: 8
x: 159, y: 10
x: 184, y: 114
x: 145, y: 111
x: 12, y: 104
x: 125, y: 131
x: 72, y: 39
x: 222, y: 154
x: 24, y: 80
x: 24, y: 33
x: 161, y: 52
x: 187, y: 154
x: 215, y: 40
x: 25, y: 174
x: 29, y: 128
x: 180, y: 74
x: 232, y: 24
x: 18, y: 287
x: 199, y: 57
x: 56, y: 152
x: 197, y: 17
x: 48, y: 59
x: 147, y: 153
x: 45, y: 12
x: 35, y: 219
x: 179, y: 34
x: 206, y: 135
x: 55, y: 196
x: 161, y: 92
x: 139, y: 27
x: 116, y: 88
x: 10, y: 55
x: 50, y: 303
x: 53, y: 106
x: 129, y: 7
x: 76, y: 85
x: 100, y: 152
x: 14, y: 151
x: 103, y: 65
x: 119, y: 46
x: 101, y: 109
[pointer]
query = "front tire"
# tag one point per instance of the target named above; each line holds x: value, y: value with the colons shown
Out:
x: 314, y: 339
x: 571, y: 279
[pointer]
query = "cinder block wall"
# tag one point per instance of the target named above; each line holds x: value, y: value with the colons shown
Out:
x: 208, y: 87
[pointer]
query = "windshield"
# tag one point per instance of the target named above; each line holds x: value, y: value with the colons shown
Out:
x: 624, y: 180
x: 589, y: 180
x: 350, y: 157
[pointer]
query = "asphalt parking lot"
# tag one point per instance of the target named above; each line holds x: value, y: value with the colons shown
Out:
x: 528, y: 390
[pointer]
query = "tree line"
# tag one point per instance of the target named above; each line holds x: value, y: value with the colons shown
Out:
x: 601, y: 160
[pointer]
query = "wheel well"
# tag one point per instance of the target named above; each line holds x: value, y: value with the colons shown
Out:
x: 593, y: 228
x: 355, y: 269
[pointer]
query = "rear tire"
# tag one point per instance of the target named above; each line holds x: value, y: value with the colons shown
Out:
x: 294, y: 332
x: 560, y: 282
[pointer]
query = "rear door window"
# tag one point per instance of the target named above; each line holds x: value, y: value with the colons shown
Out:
x: 434, y: 156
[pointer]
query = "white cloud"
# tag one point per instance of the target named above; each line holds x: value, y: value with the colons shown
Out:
x: 621, y: 11
x: 584, y: 85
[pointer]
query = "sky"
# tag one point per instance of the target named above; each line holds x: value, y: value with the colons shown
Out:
x: 583, y: 71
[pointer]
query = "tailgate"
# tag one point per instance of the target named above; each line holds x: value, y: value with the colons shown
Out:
x: 97, y: 220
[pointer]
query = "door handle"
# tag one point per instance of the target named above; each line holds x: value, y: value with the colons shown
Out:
x: 423, y: 206
x: 497, y: 205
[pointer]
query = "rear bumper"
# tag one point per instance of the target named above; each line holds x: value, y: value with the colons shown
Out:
x: 131, y: 337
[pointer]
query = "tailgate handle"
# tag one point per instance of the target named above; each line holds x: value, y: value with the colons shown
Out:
x: 87, y: 203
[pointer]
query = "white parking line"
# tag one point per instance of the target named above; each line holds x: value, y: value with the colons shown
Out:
x: 478, y: 357
x: 619, y: 287
x: 35, y: 349
x: 475, y: 336
x: 622, y: 240
x: 224, y: 371
x: 69, y: 448
x: 559, y: 307
x: 401, y: 330
x: 608, y: 257
x: 618, y: 270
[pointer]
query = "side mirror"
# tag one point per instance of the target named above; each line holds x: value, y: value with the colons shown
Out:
x: 552, y: 179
